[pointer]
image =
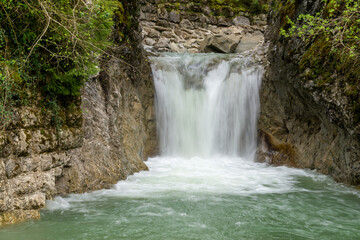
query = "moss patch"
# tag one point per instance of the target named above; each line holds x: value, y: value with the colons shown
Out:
x: 225, y: 8
x: 280, y: 153
x: 326, y: 66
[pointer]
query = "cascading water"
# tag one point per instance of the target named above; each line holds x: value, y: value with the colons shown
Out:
x: 206, y: 105
x: 205, y: 184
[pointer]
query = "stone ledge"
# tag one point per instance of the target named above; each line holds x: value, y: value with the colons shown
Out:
x: 18, y: 216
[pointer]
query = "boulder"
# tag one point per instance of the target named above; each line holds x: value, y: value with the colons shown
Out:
x: 163, y: 43
x: 192, y: 16
x: 177, y: 47
x: 152, y: 33
x: 148, y: 8
x: 203, y: 18
x: 149, y: 41
x: 220, y: 43
x: 248, y: 42
x: 148, y: 16
x: 213, y: 20
x: 185, y: 23
x: 174, y: 17
x: 164, y: 23
x: 162, y: 13
x: 224, y: 22
x: 168, y: 34
x: 241, y: 20
x: 207, y: 10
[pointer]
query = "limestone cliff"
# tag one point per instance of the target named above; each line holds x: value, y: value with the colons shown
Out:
x: 105, y: 135
x: 33, y: 154
x: 118, y: 129
x: 302, y: 124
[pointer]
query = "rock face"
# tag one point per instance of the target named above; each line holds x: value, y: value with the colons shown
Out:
x: 241, y: 20
x: 104, y: 137
x: 119, y: 129
x: 249, y: 42
x: 33, y: 154
x: 298, y: 123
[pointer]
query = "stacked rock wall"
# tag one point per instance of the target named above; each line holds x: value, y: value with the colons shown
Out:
x: 184, y: 26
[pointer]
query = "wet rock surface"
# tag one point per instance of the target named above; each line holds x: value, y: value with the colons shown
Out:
x: 298, y: 116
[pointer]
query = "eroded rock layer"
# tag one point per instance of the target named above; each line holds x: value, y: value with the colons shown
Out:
x: 33, y: 154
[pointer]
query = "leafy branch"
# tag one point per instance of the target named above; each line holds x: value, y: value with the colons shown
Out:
x: 332, y: 48
x: 338, y: 21
x: 52, y: 45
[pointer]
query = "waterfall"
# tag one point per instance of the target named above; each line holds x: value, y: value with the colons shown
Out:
x: 206, y: 104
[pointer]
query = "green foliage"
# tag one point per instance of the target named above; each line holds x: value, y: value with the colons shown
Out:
x: 253, y: 6
x: 339, y: 22
x: 55, y: 110
x: 51, y: 46
x: 6, y: 87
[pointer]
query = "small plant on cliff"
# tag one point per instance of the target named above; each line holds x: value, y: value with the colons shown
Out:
x: 338, y: 21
